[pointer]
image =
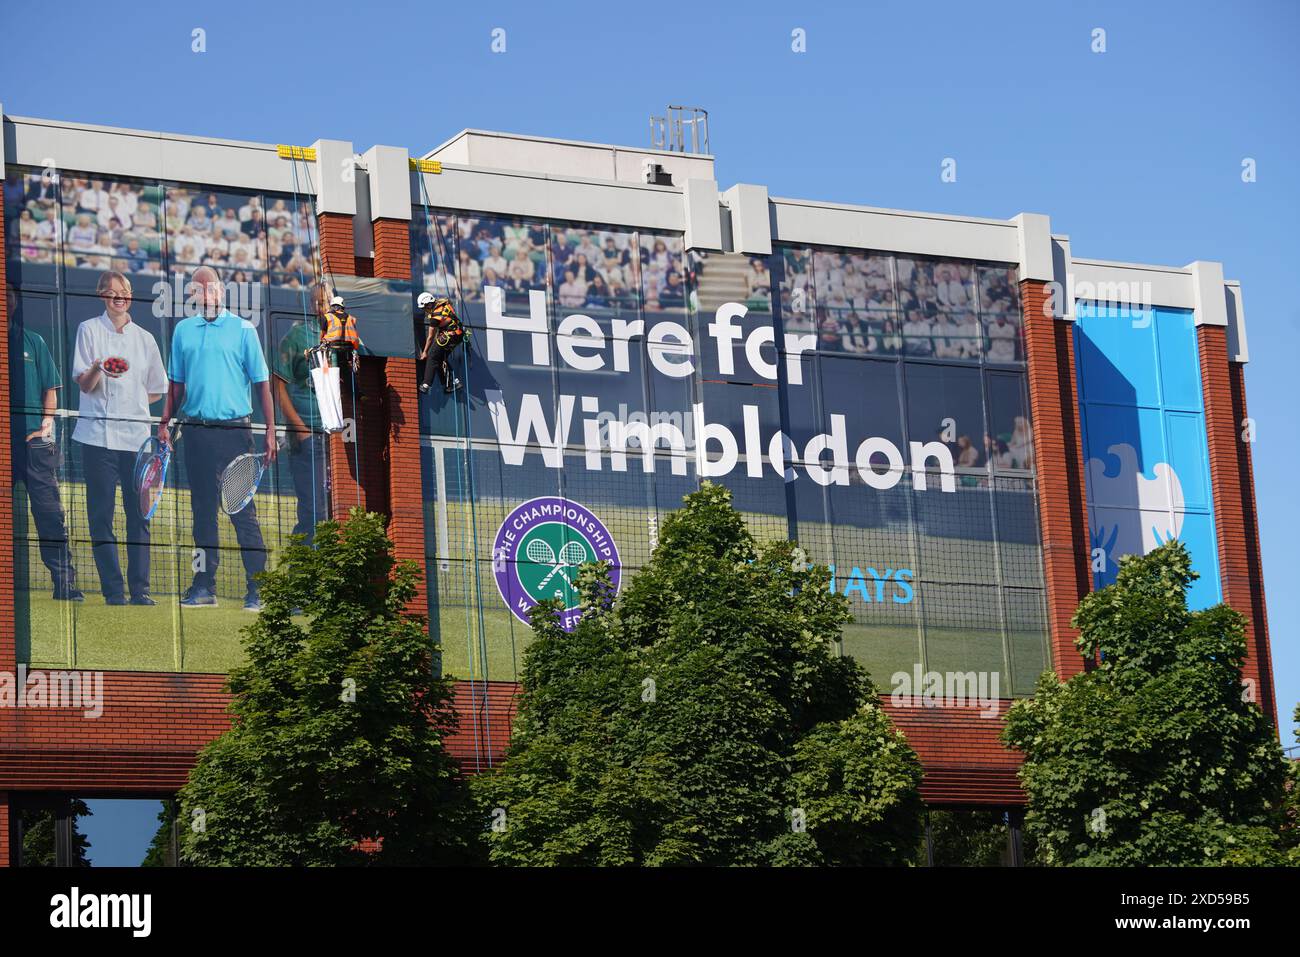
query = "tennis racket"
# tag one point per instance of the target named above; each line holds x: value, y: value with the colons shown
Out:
x: 540, y: 552
x: 240, y: 478
x: 151, y: 465
x: 571, y: 555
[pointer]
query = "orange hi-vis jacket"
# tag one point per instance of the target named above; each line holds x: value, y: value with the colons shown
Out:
x: 341, y: 331
x: 445, y: 323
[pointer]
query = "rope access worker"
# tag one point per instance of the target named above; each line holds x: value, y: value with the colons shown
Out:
x: 339, y: 333
x: 444, y: 332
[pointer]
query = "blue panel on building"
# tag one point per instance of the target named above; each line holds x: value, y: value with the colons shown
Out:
x: 1144, y: 440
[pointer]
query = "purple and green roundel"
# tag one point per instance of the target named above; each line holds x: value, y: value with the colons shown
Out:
x: 537, y: 551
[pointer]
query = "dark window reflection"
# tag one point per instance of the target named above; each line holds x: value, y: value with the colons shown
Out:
x: 946, y: 404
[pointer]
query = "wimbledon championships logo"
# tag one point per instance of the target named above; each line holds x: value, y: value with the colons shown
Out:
x: 538, y: 549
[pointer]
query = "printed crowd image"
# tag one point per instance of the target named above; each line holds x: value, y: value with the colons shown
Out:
x: 161, y: 328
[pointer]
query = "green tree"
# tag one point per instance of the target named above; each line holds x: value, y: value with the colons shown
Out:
x: 1291, y: 825
x: 38, y: 824
x: 703, y: 718
x: 968, y: 839
x: 1158, y: 755
x: 159, y: 851
x: 336, y: 741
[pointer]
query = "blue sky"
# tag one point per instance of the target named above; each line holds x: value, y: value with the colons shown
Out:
x: 1135, y: 153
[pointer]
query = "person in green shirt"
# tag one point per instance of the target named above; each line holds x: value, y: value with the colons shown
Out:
x: 37, y: 459
x: 308, y: 451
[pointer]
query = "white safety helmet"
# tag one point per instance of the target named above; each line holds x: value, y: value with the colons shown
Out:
x: 336, y: 301
x: 426, y: 299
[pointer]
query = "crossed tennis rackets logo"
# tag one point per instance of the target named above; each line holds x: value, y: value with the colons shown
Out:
x: 538, y: 549
x: 572, y: 554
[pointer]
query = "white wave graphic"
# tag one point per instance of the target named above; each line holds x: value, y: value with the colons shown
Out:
x: 1134, y: 514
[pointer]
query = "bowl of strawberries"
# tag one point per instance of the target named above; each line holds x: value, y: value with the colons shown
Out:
x: 114, y: 366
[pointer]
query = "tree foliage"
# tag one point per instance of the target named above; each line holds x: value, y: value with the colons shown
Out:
x: 38, y: 826
x: 336, y: 742
x: 159, y: 853
x: 703, y: 718
x: 968, y: 839
x: 1158, y: 755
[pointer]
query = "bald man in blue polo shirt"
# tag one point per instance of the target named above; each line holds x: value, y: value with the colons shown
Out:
x: 216, y: 363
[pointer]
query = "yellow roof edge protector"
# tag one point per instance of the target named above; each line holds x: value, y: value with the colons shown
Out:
x: 296, y: 152
x: 426, y: 166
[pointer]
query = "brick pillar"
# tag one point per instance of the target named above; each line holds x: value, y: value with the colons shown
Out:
x: 4, y: 829
x: 8, y: 625
x: 1058, y: 465
x: 336, y: 244
x: 356, y: 476
x: 1223, y: 387
x: 406, y: 494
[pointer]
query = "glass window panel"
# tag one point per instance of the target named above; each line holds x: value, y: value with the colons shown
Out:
x: 663, y: 272
x: 797, y: 295
x: 622, y: 500
x: 1180, y: 371
x: 918, y: 302
x: 38, y: 353
x: 955, y: 286
x: 111, y: 223
x: 885, y: 634
x: 285, y: 228
x: 873, y: 529
x: 207, y: 227
x: 1026, y: 638
x: 999, y: 303
x: 1010, y: 442
x: 1116, y: 355
x: 593, y: 269
x: 725, y: 404
x: 509, y: 253
x: 856, y: 303
x: 1189, y: 483
x: 955, y: 336
x: 810, y: 513
x: 946, y: 404
x: 433, y: 255
x: 1015, y: 515
x: 35, y: 226
x: 955, y: 535
x: 1197, y: 532
x: 130, y: 637
x: 963, y: 634
x: 866, y: 394
x: 734, y: 346
x: 955, y: 330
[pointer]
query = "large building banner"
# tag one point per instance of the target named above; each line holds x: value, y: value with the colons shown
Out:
x: 871, y: 406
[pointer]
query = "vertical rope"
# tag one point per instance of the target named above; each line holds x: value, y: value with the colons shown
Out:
x: 469, y: 461
x: 327, y: 270
x: 302, y: 299
x: 430, y: 226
